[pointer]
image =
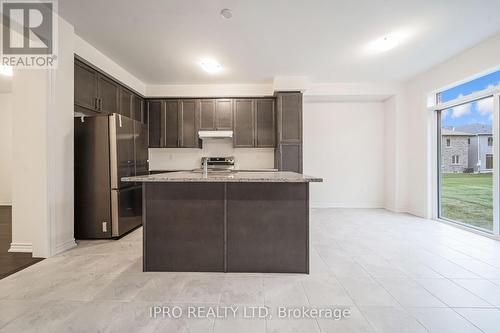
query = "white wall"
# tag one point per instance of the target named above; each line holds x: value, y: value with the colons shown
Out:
x: 60, y: 145
x: 396, y: 160
x: 29, y: 163
x: 209, y: 90
x: 188, y: 159
x: 418, y: 125
x: 5, y: 149
x: 344, y: 144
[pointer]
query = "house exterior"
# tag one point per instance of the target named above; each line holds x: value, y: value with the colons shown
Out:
x: 454, y: 151
x: 481, y: 152
x: 467, y: 148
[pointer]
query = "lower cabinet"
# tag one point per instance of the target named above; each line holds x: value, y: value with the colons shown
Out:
x: 178, y: 237
x: 267, y: 227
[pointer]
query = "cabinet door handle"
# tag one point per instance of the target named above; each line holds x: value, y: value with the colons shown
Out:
x: 100, y: 104
x: 96, y: 103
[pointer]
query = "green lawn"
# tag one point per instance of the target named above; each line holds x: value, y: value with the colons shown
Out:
x: 468, y: 198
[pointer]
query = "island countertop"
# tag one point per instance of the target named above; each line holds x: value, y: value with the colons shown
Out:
x: 222, y: 177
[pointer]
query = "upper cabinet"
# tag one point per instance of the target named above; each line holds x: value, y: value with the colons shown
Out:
x: 244, y: 123
x: 289, y: 117
x: 206, y: 115
x: 96, y: 92
x: 85, y: 87
x: 177, y: 121
x: 265, y: 123
x: 288, y: 152
x: 108, y: 94
x: 215, y: 114
x: 137, y: 112
x: 254, y: 123
x: 156, y: 121
x: 172, y: 124
x: 224, y: 114
x: 188, y: 131
x: 125, y: 102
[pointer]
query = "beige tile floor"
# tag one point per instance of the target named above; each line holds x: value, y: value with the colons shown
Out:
x: 395, y: 272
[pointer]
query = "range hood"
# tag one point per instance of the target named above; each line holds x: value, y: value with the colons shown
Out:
x: 215, y: 134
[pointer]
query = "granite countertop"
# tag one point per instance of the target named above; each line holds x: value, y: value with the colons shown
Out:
x: 220, y: 177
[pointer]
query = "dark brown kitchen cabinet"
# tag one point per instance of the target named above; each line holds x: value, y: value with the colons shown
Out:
x: 125, y: 102
x: 265, y: 123
x: 289, y: 117
x: 224, y: 114
x: 174, y: 121
x: 288, y: 153
x: 188, y: 132
x: 215, y: 114
x: 207, y: 115
x: 137, y: 111
x: 171, y: 124
x: 289, y: 157
x: 156, y: 116
x: 97, y: 92
x: 85, y: 87
x: 108, y: 94
x: 243, y: 123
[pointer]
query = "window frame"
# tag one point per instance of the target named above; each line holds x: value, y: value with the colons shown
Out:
x: 437, y: 169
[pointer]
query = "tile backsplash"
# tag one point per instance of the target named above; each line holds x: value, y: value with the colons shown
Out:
x: 190, y: 158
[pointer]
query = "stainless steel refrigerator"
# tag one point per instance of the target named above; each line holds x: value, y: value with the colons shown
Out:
x: 108, y: 148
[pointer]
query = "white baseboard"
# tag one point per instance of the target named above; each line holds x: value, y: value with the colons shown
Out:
x: 394, y: 210
x: 5, y: 203
x: 345, y: 205
x: 69, y: 244
x: 21, y: 247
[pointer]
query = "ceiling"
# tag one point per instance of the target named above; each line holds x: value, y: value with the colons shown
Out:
x: 162, y: 41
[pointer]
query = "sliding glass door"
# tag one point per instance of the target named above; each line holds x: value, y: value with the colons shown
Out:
x: 466, y: 163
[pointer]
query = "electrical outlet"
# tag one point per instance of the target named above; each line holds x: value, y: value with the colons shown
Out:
x: 104, y: 226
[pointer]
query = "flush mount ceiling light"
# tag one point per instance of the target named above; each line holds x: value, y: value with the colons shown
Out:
x: 6, y: 70
x: 387, y: 42
x: 210, y: 66
x: 226, y: 13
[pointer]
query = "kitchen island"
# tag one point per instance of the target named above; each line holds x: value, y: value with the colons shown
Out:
x: 226, y: 221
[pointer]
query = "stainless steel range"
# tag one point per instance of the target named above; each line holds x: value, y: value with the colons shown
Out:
x: 217, y: 164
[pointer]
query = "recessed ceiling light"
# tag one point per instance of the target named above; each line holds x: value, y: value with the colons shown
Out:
x: 387, y: 42
x: 210, y: 65
x: 226, y: 13
x: 6, y: 70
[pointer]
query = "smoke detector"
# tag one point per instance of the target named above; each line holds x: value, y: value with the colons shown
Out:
x: 226, y: 13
